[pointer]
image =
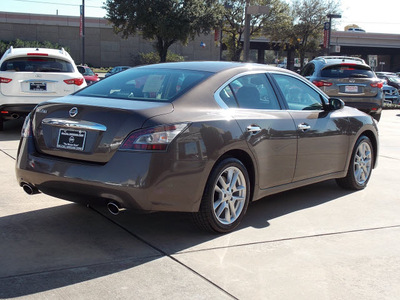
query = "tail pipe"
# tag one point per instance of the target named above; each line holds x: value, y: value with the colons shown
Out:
x: 30, y: 189
x: 114, y: 208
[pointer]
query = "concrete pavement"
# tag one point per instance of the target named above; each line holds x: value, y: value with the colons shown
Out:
x: 316, y: 242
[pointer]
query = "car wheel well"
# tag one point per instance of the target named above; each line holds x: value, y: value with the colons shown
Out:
x: 246, y: 160
x: 374, y: 143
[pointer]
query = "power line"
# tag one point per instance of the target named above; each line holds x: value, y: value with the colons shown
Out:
x: 54, y: 3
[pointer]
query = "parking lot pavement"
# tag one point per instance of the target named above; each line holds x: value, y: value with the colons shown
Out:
x: 316, y: 242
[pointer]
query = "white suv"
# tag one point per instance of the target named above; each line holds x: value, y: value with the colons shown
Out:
x: 32, y: 75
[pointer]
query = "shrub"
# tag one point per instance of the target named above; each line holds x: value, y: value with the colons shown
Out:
x: 153, y: 58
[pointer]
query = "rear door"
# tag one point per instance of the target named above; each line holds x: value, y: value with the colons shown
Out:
x: 269, y: 130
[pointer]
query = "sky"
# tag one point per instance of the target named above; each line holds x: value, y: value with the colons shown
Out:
x: 371, y: 15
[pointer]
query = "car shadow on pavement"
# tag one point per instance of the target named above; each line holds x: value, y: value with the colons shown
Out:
x: 12, y: 130
x: 61, y: 246
x: 68, y: 244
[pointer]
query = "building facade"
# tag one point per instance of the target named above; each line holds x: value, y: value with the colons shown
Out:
x: 103, y: 48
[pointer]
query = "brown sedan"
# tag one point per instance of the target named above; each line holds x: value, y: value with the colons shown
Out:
x: 201, y: 137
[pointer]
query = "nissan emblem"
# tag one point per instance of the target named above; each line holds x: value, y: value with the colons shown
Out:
x: 73, y: 112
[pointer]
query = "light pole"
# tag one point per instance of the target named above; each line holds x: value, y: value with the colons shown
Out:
x: 331, y: 16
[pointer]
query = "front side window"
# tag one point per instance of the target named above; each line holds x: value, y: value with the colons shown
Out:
x: 37, y: 64
x: 146, y: 84
x: 298, y: 95
x: 250, y: 91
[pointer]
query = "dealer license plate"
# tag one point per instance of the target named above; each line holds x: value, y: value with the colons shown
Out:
x: 351, y: 89
x: 71, y: 139
x: 37, y: 86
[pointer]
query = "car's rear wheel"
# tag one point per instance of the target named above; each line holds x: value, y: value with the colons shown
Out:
x: 226, y: 197
x: 360, y: 167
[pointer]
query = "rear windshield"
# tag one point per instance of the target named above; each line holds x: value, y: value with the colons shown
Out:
x: 146, y: 84
x: 346, y: 71
x: 37, y: 64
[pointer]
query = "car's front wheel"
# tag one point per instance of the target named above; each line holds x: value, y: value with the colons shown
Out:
x: 360, y: 167
x: 226, y: 197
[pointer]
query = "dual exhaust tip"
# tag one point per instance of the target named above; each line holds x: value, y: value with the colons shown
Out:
x: 113, y: 207
x: 30, y: 189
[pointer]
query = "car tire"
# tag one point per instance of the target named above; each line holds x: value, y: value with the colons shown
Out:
x: 360, y: 167
x: 1, y: 124
x: 226, y: 197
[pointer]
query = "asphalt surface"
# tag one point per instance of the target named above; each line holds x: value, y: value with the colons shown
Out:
x: 316, y: 242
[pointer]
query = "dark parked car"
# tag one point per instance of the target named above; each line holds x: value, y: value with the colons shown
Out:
x: 348, y: 78
x: 390, y: 78
x: 391, y: 94
x: 200, y: 137
x: 116, y: 70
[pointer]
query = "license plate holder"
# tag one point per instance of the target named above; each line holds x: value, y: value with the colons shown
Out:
x: 38, y: 86
x: 351, y: 89
x: 70, y: 139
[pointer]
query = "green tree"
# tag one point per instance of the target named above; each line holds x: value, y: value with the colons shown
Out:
x: 266, y: 24
x: 309, y: 18
x: 163, y: 21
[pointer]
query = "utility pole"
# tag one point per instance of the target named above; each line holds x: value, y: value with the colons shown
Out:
x: 246, y: 42
x: 82, y: 31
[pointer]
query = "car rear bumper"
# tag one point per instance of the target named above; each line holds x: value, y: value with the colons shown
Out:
x: 367, y: 106
x: 134, y: 180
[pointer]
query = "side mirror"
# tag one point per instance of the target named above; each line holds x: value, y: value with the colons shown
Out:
x: 336, y: 103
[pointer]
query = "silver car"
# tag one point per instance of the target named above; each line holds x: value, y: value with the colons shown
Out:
x: 348, y: 78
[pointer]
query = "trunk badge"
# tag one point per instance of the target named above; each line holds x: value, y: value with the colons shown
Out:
x: 73, y: 112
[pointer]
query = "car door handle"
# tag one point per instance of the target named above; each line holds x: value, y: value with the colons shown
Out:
x: 303, y: 127
x: 253, y: 129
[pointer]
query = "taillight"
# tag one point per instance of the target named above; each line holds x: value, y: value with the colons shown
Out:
x: 378, y: 85
x: 5, y: 80
x: 26, y: 128
x: 37, y: 54
x: 153, y: 139
x: 320, y: 83
x: 76, y: 81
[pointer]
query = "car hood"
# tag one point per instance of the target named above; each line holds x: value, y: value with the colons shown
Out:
x: 97, y: 125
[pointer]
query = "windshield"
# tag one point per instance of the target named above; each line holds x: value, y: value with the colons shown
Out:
x: 347, y: 70
x: 37, y: 64
x: 146, y: 84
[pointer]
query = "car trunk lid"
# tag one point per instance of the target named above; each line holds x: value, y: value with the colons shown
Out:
x: 89, y: 129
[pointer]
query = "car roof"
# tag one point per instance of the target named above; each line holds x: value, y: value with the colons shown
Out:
x: 22, y: 52
x: 213, y: 66
x: 340, y: 59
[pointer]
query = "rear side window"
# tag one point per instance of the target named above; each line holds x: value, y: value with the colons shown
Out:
x: 347, y: 71
x: 146, y: 84
x: 308, y: 70
x: 250, y: 91
x: 37, y: 64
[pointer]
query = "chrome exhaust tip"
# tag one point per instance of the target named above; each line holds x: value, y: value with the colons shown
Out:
x: 114, y: 208
x: 30, y: 189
